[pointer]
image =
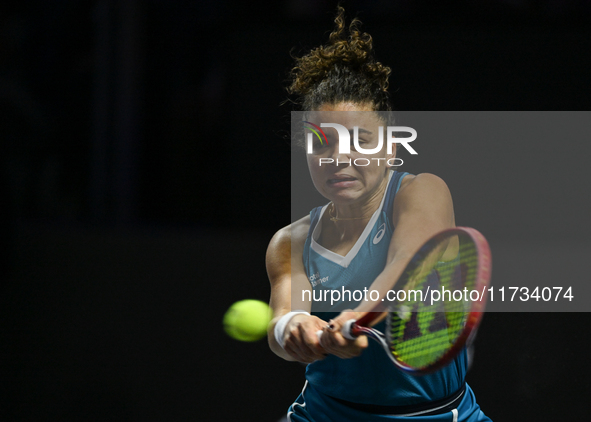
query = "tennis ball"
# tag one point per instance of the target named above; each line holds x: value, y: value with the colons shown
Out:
x: 247, y: 320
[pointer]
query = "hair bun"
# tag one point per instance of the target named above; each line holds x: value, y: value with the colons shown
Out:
x: 348, y: 54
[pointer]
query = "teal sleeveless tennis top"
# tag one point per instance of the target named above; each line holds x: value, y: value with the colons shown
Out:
x: 370, y: 378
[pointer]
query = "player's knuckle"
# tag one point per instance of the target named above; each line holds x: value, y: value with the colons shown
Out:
x: 291, y: 342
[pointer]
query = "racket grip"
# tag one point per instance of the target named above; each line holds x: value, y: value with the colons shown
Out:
x: 346, y: 330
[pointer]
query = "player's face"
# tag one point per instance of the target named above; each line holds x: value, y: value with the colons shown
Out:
x: 346, y: 178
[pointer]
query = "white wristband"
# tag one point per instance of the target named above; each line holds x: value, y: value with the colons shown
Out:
x: 282, y: 323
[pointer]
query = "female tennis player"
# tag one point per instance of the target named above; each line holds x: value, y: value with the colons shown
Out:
x: 376, y: 219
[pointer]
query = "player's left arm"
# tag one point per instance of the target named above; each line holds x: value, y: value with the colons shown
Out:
x: 422, y: 207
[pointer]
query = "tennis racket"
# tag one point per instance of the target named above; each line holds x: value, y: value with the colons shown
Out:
x: 426, y: 327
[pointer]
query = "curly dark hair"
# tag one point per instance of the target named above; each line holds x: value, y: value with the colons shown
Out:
x: 344, y: 70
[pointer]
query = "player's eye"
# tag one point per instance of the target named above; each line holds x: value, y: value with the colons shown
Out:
x: 318, y: 146
x: 361, y: 142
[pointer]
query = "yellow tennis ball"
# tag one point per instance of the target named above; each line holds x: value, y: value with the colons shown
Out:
x: 247, y: 320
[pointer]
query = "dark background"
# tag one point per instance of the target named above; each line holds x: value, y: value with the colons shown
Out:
x: 144, y: 169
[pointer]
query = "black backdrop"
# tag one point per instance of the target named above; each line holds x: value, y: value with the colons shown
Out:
x: 139, y: 210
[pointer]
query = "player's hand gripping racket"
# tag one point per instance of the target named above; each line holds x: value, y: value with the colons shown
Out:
x: 427, y: 322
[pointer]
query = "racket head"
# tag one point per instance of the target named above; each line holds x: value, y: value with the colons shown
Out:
x: 423, y: 336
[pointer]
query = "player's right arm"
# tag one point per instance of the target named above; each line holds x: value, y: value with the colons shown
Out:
x: 286, y: 273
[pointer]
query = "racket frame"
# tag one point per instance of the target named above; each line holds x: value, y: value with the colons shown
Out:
x: 363, y: 326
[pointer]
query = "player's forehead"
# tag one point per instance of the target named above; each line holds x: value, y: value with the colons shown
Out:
x: 346, y: 114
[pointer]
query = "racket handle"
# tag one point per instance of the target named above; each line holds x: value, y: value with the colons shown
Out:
x: 345, y: 331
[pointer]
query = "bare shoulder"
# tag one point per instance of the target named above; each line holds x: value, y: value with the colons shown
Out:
x: 424, y: 194
x: 423, y: 181
x: 421, y: 187
x: 293, y: 235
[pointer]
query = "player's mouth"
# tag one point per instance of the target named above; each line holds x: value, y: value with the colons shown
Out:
x: 341, y: 181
